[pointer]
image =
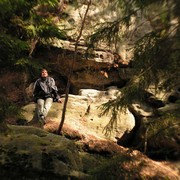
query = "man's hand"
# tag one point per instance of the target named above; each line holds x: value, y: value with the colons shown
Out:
x: 59, y: 100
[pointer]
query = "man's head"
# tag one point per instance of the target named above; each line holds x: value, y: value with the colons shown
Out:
x: 44, y: 73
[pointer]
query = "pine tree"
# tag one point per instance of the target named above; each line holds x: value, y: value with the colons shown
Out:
x: 155, y: 52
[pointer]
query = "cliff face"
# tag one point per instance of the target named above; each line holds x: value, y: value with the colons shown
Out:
x: 101, y: 70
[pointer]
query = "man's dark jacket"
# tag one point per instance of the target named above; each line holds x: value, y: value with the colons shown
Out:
x: 45, y: 88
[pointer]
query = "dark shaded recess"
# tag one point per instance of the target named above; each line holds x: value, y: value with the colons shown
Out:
x: 163, y: 154
x: 61, y: 82
x: 172, y: 98
x: 118, y: 84
x: 128, y: 139
x: 152, y: 100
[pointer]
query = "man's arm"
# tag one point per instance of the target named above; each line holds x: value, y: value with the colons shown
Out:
x: 35, y: 91
x: 55, y: 91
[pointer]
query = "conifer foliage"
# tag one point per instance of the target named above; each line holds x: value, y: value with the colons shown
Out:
x: 155, y: 63
x: 155, y: 50
x: 23, y: 24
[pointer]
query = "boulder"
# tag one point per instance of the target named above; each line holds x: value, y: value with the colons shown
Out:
x: 32, y: 153
x: 84, y: 116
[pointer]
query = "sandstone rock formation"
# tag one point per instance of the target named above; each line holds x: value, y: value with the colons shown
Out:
x: 83, y: 115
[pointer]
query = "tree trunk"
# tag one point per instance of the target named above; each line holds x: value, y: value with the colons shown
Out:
x: 71, y: 71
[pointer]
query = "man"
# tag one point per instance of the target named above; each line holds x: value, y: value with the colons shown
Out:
x: 45, y: 92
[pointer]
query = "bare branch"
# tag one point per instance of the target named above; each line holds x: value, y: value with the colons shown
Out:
x: 71, y: 70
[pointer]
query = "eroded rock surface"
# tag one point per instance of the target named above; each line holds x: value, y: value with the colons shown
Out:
x: 83, y: 115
